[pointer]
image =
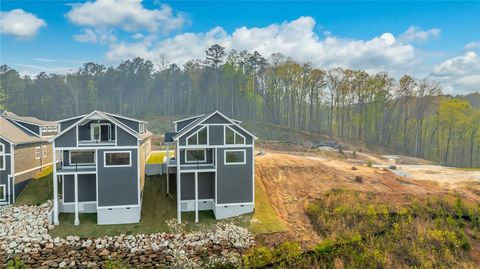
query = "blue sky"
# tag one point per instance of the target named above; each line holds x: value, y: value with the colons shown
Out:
x: 437, y: 40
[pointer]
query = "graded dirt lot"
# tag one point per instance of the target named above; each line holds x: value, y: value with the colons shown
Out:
x: 291, y: 182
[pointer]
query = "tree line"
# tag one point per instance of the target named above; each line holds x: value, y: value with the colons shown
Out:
x: 409, y: 116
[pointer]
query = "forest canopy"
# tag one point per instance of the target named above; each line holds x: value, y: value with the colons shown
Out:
x: 409, y: 116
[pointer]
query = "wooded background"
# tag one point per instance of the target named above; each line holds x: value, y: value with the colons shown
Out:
x: 408, y: 116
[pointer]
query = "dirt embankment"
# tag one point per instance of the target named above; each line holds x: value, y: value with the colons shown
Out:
x: 291, y: 182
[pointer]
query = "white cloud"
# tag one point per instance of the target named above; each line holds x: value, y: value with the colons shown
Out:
x: 416, y: 34
x: 472, y: 45
x: 296, y: 39
x: 20, y: 24
x: 96, y: 36
x: 129, y: 15
x: 460, y: 73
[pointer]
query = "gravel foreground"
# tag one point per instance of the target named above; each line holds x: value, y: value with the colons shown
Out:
x: 24, y: 235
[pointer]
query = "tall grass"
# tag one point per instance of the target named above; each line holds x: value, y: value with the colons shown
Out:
x: 368, y: 230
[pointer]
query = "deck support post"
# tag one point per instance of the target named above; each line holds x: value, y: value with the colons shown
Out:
x: 77, y: 220
x: 168, y: 169
x: 179, y: 187
x: 196, y: 196
x: 55, y: 186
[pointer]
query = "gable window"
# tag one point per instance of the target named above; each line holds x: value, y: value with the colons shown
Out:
x: 117, y: 158
x: 38, y: 154
x: 3, y: 192
x: 233, y: 138
x: 234, y: 156
x: 44, y: 129
x: 44, y: 151
x: 82, y: 157
x: 55, y: 128
x: 195, y: 155
x: 50, y: 129
x: 2, y: 157
x: 198, y: 138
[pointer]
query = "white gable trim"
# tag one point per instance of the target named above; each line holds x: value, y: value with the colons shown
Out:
x: 117, y: 123
x: 188, y: 128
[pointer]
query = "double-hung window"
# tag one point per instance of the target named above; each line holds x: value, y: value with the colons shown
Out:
x: 44, y: 151
x: 3, y: 193
x: 2, y: 157
x: 38, y: 154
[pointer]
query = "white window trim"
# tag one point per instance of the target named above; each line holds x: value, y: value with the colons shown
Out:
x: 4, y: 198
x: 235, y: 163
x: 234, y: 136
x: 122, y: 165
x: 38, y: 153
x: 196, y: 161
x: 45, y: 129
x: 83, y: 164
x: 44, y: 151
x: 50, y: 129
x: 196, y: 133
x: 2, y: 155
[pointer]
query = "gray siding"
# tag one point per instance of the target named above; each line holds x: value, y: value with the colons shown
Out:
x: 188, y: 186
x: 216, y: 118
x: 87, y: 189
x: 117, y: 185
x: 134, y: 125
x: 216, y: 135
x: 234, y: 182
x: 32, y: 127
x: 183, y: 124
x: 84, y: 132
x: 68, y: 139
x: 206, y: 185
x: 125, y: 139
x: 64, y: 125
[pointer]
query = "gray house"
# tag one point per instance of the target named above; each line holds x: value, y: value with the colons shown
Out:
x: 213, y: 166
x: 101, y: 167
x: 24, y: 152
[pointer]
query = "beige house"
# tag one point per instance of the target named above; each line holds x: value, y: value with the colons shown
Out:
x: 24, y: 151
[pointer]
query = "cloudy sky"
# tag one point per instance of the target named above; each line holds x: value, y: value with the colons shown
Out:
x: 438, y: 40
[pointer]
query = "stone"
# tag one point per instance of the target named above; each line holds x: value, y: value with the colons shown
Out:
x: 62, y: 264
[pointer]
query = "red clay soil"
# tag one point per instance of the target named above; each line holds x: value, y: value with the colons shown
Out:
x: 291, y: 182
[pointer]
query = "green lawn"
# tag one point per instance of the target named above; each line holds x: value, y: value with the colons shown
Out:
x: 264, y: 220
x: 156, y: 209
x: 157, y: 157
x: 38, y: 189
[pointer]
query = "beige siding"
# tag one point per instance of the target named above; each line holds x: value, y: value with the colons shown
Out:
x: 144, y: 152
x: 25, y: 159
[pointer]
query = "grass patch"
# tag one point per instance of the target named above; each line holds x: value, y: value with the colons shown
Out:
x: 264, y: 219
x: 157, y: 157
x: 38, y: 190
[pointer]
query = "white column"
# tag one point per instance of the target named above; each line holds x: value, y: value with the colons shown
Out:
x: 196, y: 196
x: 77, y: 220
x: 55, y: 186
x: 179, y: 186
x: 168, y: 172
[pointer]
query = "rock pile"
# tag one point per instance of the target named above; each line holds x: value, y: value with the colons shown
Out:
x: 24, y: 235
